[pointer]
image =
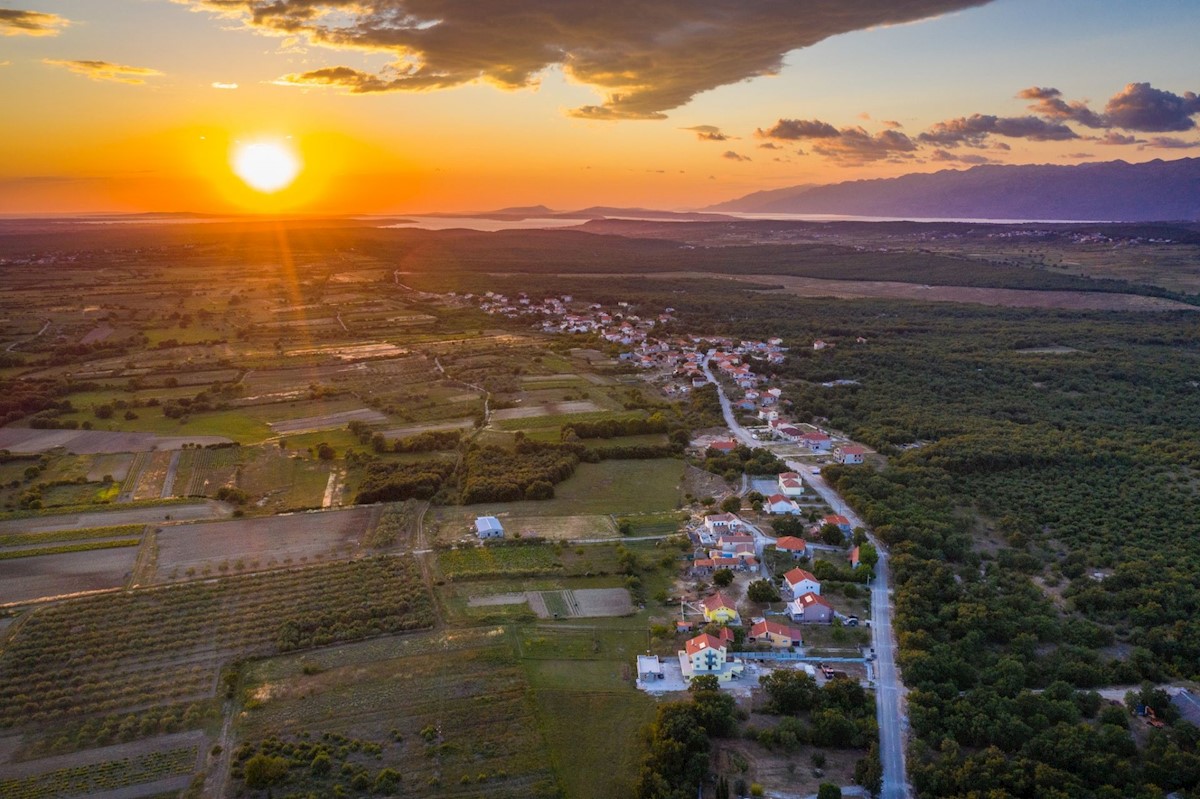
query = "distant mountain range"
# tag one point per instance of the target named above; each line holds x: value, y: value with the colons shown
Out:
x: 1113, y: 191
x: 522, y: 212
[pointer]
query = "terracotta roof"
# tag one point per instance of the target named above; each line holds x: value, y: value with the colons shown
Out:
x: 775, y: 628
x: 791, y: 543
x: 837, y: 519
x: 853, y: 450
x: 799, y: 575
x: 723, y: 445
x: 789, y: 476
x: 810, y: 599
x: 701, y: 642
x: 854, y: 555
x: 717, y: 601
x: 815, y: 437
x: 702, y: 562
x: 720, y: 517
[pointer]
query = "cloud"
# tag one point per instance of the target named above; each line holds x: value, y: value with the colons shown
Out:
x: 219, y: 85
x: 732, y: 156
x: 972, y: 131
x: 959, y: 158
x: 1141, y: 107
x: 105, y: 70
x: 707, y: 133
x: 1169, y: 143
x: 5, y: 63
x: 769, y: 145
x: 1050, y: 104
x: 891, y: 123
x: 14, y: 22
x: 1112, y: 137
x: 644, y: 58
x: 1080, y: 155
x: 791, y: 129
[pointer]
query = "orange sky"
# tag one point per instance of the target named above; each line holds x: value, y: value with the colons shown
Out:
x: 131, y: 107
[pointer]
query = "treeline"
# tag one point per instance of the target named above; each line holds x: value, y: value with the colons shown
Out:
x: 743, y: 460
x: 429, y: 441
x: 395, y: 482
x: 614, y: 428
x: 494, y: 474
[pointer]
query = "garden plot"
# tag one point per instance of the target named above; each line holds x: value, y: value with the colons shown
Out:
x: 561, y: 528
x: 114, y: 466
x: 151, y: 478
x: 547, y: 409
x: 580, y: 602
x: 42, y: 576
x: 328, y: 421
x: 248, y: 544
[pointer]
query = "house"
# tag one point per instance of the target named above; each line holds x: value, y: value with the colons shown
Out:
x: 792, y: 544
x: 817, y: 442
x: 789, y: 432
x: 851, y: 454
x: 722, y: 522
x: 810, y: 609
x: 853, y: 558
x: 702, y: 567
x: 838, y: 521
x: 706, y: 654
x: 790, y: 484
x: 777, y: 634
x: 488, y: 527
x: 802, y: 582
x: 719, y: 608
x: 736, y: 542
x: 723, y: 446
x: 649, y: 668
x: 778, y: 504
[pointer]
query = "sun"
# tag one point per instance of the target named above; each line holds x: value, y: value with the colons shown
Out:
x: 266, y: 166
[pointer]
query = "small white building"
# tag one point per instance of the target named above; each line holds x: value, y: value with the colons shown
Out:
x: 851, y: 454
x: 778, y: 504
x: 649, y: 668
x: 488, y: 527
x: 802, y: 582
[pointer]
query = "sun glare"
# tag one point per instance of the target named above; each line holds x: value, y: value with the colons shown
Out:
x: 266, y: 166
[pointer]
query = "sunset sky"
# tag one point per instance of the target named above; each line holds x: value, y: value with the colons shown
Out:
x: 399, y: 106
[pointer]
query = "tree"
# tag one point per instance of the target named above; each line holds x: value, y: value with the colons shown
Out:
x: 263, y: 771
x: 868, y: 556
x: 326, y: 452
x: 704, y: 682
x: 722, y: 577
x: 790, y: 691
x: 832, y: 534
x: 762, y: 591
x: 829, y: 791
x: 731, y: 504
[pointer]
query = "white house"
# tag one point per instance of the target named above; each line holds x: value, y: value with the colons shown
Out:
x: 722, y: 523
x: 851, y: 454
x: 790, y: 484
x: 778, y: 504
x: 802, y: 582
x: 817, y: 442
x: 811, y: 609
x: 488, y: 527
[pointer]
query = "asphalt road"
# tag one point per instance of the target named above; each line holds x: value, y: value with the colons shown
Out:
x: 889, y: 690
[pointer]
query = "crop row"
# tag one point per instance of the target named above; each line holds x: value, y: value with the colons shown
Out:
x: 116, y: 651
x: 105, y: 776
x: 23, y: 539
x: 62, y: 549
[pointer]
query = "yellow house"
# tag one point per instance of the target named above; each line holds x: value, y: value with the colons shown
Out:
x: 720, y: 608
x: 779, y: 636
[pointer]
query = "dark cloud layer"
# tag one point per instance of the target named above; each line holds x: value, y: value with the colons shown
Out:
x: 848, y: 146
x: 973, y: 130
x: 646, y: 58
x: 1141, y: 107
x: 15, y: 22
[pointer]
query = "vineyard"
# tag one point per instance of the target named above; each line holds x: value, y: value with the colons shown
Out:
x: 116, y: 652
x: 101, y: 777
x: 203, y: 471
x: 397, y: 523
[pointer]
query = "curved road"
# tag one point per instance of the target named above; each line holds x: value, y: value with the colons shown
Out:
x: 889, y: 691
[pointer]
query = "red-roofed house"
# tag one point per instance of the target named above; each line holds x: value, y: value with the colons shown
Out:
x: 854, y: 558
x: 720, y: 608
x: 702, y: 567
x: 707, y: 654
x: 802, y: 582
x: 838, y: 521
x: 851, y: 454
x: 790, y: 484
x: 810, y: 609
x: 792, y: 544
x: 723, y: 446
x: 779, y: 505
x: 817, y: 442
x: 777, y: 634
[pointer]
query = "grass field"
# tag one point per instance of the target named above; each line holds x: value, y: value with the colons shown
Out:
x: 283, y: 482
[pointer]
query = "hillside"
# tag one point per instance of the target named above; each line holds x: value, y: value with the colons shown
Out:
x: 1110, y: 191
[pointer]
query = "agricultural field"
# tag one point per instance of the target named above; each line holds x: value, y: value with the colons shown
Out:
x: 91, y: 442
x: 134, y: 770
x: 201, y: 472
x: 189, y: 550
x: 280, y: 480
x: 75, y: 519
x: 166, y: 645
x: 36, y: 577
